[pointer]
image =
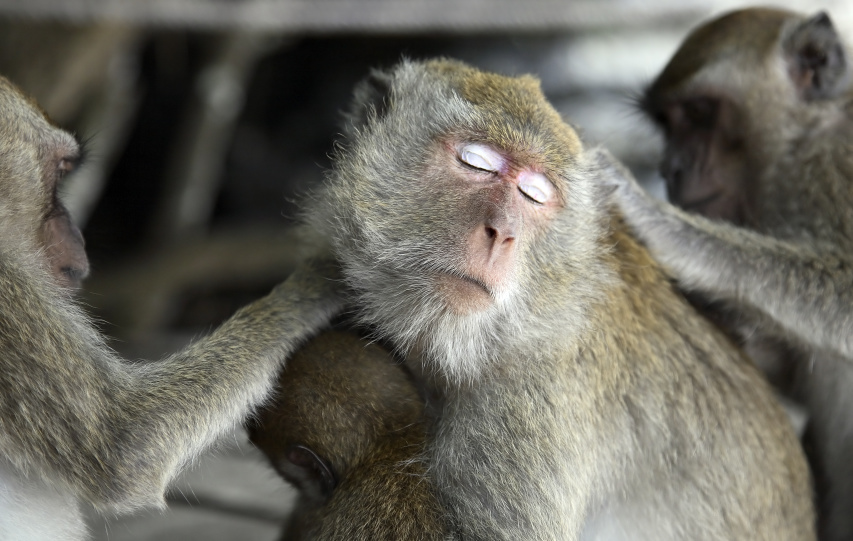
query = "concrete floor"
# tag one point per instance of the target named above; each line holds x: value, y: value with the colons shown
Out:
x: 230, y: 494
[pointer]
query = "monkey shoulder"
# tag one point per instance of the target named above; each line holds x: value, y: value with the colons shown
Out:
x: 662, y: 336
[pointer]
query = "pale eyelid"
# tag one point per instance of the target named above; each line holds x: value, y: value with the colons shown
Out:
x: 481, y: 157
x: 537, y: 187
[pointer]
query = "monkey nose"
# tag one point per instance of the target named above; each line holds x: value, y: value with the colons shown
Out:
x: 489, y: 255
x: 499, y: 236
x: 495, y: 245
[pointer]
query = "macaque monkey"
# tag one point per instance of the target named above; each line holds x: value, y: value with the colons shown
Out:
x: 347, y: 428
x: 756, y: 110
x: 577, y: 395
x: 78, y: 425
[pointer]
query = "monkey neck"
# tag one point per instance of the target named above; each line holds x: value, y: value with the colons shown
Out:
x: 775, y: 127
x: 806, y: 191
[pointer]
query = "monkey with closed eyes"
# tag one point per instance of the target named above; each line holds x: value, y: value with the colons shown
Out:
x: 756, y: 111
x: 79, y: 425
x: 573, y: 392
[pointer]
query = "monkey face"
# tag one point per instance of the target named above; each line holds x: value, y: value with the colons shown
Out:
x: 29, y: 201
x: 498, y: 202
x: 445, y: 203
x: 705, y: 162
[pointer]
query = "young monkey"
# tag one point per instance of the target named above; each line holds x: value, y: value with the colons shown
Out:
x: 576, y: 394
x: 347, y: 428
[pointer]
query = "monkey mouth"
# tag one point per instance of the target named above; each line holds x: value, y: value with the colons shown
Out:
x: 474, y: 281
x: 464, y: 294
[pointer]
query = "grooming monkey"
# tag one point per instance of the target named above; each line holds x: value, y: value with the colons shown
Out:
x: 576, y: 394
x: 756, y: 110
x: 78, y: 424
x: 348, y: 428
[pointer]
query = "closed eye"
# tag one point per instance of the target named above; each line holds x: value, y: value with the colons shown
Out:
x: 536, y: 187
x: 481, y: 157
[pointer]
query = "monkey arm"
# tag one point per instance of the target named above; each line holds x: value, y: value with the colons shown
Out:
x: 806, y: 290
x: 116, y: 432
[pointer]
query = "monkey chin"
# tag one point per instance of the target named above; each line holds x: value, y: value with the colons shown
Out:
x: 462, y: 294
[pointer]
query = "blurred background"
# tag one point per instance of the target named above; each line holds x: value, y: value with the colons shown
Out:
x: 204, y: 120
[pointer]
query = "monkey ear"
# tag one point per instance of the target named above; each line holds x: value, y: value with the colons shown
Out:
x: 816, y: 59
x: 310, y: 473
x: 370, y: 98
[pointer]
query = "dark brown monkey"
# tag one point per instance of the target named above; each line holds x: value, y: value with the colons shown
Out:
x: 579, y: 395
x: 347, y: 428
x: 756, y: 109
x: 78, y: 424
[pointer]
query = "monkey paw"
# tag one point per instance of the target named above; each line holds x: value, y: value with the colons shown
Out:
x: 622, y: 188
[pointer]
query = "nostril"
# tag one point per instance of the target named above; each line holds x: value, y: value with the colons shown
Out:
x: 497, y: 238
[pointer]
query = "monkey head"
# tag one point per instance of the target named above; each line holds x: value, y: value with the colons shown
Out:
x: 741, y: 91
x: 29, y: 205
x: 445, y: 201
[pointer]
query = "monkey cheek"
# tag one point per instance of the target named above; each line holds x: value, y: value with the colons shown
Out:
x: 463, y: 295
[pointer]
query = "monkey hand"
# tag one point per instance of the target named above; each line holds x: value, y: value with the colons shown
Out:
x: 623, y: 189
x: 636, y: 206
x: 614, y: 174
x: 657, y: 224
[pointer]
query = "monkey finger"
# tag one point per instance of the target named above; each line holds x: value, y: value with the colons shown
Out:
x: 613, y: 175
x: 613, y: 170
